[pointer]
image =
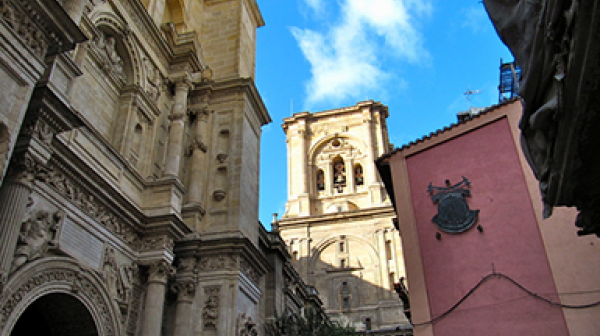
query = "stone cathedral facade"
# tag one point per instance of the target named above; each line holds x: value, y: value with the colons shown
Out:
x: 129, y: 156
x: 338, y: 221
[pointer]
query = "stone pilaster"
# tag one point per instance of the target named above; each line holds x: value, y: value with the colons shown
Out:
x: 14, y: 197
x: 177, y: 129
x: 198, y: 152
x: 186, y: 291
x: 152, y: 317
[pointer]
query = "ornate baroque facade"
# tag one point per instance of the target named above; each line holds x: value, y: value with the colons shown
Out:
x: 129, y: 134
x: 338, y: 223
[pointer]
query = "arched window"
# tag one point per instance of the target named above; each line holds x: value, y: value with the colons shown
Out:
x: 368, y: 324
x: 339, y: 174
x: 320, y: 180
x: 358, y: 175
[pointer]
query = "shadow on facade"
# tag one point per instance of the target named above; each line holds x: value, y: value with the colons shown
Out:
x: 351, y: 296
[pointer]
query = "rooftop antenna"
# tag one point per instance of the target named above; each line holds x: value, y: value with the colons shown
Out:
x: 470, y: 93
x: 291, y: 106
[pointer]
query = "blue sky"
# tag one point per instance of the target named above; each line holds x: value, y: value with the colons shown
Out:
x: 418, y: 57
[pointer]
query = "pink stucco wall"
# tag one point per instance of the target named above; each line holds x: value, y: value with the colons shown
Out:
x: 510, y: 243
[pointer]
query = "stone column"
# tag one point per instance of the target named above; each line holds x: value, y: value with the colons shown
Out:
x: 384, y: 269
x: 186, y: 290
x: 177, y: 129
x: 370, y: 167
x: 198, y: 151
x: 14, y: 198
x: 155, y: 298
x: 302, y: 159
x: 350, y: 188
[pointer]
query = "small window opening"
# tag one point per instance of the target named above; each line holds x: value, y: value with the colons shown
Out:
x: 342, y: 247
x: 358, y: 175
x: 368, y: 325
x: 320, y: 180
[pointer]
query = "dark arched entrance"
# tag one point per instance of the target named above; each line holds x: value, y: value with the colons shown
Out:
x: 55, y: 315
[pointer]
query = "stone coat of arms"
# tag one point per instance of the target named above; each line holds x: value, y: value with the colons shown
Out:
x: 454, y: 215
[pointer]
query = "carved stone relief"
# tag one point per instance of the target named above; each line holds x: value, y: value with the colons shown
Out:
x: 30, y: 34
x: 153, y: 243
x: 38, y: 233
x: 112, y: 62
x: 119, y: 279
x: 153, y: 80
x: 210, y: 312
x: 226, y: 262
x: 249, y: 270
x: 246, y: 327
x: 80, y: 197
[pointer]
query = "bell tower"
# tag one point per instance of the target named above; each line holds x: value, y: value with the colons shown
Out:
x: 338, y: 221
x: 330, y: 159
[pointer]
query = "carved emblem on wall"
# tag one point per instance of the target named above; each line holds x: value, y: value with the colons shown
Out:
x: 210, y: 312
x: 38, y: 233
x: 453, y: 215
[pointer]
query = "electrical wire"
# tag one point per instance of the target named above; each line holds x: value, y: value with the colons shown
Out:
x: 504, y: 276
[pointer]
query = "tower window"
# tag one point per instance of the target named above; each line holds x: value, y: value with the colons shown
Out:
x: 343, y: 263
x: 342, y: 247
x: 320, y: 180
x: 358, y: 175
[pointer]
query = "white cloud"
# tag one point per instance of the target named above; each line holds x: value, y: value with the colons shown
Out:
x: 347, y: 59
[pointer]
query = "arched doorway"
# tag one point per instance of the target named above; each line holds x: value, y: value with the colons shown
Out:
x: 55, y: 314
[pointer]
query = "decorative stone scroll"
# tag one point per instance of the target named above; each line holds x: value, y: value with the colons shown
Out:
x: 210, y: 312
x: 38, y: 233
